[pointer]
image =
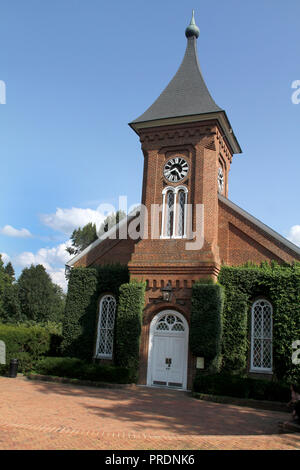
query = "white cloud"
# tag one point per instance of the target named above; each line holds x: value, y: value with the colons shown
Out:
x: 5, y: 258
x: 66, y: 220
x: 294, y: 235
x: 25, y: 259
x: 14, y: 232
x: 53, y: 260
x: 58, y: 277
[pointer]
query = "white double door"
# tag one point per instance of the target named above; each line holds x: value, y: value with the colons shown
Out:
x: 169, y: 360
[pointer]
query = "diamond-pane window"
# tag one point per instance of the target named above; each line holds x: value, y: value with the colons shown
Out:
x: 174, y: 212
x: 261, y: 336
x: 105, y: 337
x: 181, y: 209
x: 170, y: 213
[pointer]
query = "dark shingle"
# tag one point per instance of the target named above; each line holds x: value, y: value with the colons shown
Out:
x: 186, y: 94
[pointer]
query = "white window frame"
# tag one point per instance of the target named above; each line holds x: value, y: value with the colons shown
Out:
x: 100, y: 331
x: 175, y: 190
x: 267, y: 370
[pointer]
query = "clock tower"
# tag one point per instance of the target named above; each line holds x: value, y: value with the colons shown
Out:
x: 188, y: 144
x: 188, y: 226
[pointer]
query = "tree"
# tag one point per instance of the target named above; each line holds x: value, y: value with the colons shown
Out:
x: 81, y: 238
x: 111, y: 221
x: 3, y: 278
x: 9, y: 299
x: 9, y: 270
x: 41, y: 300
x: 11, y: 304
x: 58, y: 307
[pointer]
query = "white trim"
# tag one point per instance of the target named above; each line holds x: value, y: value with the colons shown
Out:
x: 260, y: 224
x: 268, y: 370
x: 153, y: 324
x: 175, y: 190
x: 99, y: 355
x: 185, y: 190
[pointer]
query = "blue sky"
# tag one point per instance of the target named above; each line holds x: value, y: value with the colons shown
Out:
x: 76, y: 72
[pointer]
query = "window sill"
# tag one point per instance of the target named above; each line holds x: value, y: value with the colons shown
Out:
x: 162, y: 237
x: 260, y: 371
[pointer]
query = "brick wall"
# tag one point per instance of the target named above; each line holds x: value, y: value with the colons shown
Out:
x: 229, y: 238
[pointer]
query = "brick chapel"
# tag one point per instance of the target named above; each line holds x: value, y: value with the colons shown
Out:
x: 188, y: 146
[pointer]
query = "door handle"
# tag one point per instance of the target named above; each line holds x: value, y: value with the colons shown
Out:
x: 168, y: 362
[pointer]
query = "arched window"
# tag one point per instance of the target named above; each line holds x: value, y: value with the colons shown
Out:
x: 261, y: 336
x: 174, y: 212
x: 106, y: 323
x: 170, y: 322
x: 170, y: 213
x: 181, y: 198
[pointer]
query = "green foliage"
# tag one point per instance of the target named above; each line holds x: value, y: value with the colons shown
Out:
x: 82, y: 238
x: 3, y: 281
x: 225, y: 384
x: 58, y: 303
x: 129, y: 324
x: 111, y: 221
x: 25, y: 343
x: 75, y: 368
x: 9, y: 295
x: 234, y: 340
x: 9, y: 270
x: 11, y: 304
x: 206, y: 322
x: 86, y: 285
x: 281, y: 286
x: 40, y: 299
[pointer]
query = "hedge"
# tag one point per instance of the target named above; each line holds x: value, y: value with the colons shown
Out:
x: 129, y: 324
x: 206, y: 322
x: 80, y: 319
x: 75, y: 368
x: 224, y: 384
x: 281, y: 286
x: 25, y: 343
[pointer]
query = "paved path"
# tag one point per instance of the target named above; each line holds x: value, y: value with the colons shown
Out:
x: 41, y: 415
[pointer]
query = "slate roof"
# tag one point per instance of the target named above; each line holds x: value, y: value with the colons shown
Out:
x: 186, y: 94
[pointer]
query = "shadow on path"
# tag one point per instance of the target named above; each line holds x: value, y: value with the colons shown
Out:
x: 159, y: 411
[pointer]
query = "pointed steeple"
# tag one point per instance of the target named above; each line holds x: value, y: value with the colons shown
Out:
x: 187, y: 94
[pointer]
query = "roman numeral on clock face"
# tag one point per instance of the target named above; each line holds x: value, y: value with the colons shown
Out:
x: 176, y: 169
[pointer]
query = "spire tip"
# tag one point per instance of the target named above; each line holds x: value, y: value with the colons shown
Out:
x: 192, y: 30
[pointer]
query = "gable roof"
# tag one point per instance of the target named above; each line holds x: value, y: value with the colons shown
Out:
x: 265, y: 228
x: 109, y: 233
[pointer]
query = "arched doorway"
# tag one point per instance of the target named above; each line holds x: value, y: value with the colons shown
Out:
x: 168, y: 350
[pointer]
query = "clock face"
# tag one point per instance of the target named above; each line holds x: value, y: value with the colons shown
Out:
x: 176, y: 169
x: 220, y: 180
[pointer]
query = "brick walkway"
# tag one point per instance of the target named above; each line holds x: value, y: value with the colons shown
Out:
x: 41, y: 415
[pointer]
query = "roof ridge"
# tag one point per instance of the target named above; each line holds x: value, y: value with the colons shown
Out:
x: 261, y: 225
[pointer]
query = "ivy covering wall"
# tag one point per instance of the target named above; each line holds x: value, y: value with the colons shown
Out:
x: 243, y: 285
x: 129, y: 325
x: 207, y: 323
x: 86, y: 285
